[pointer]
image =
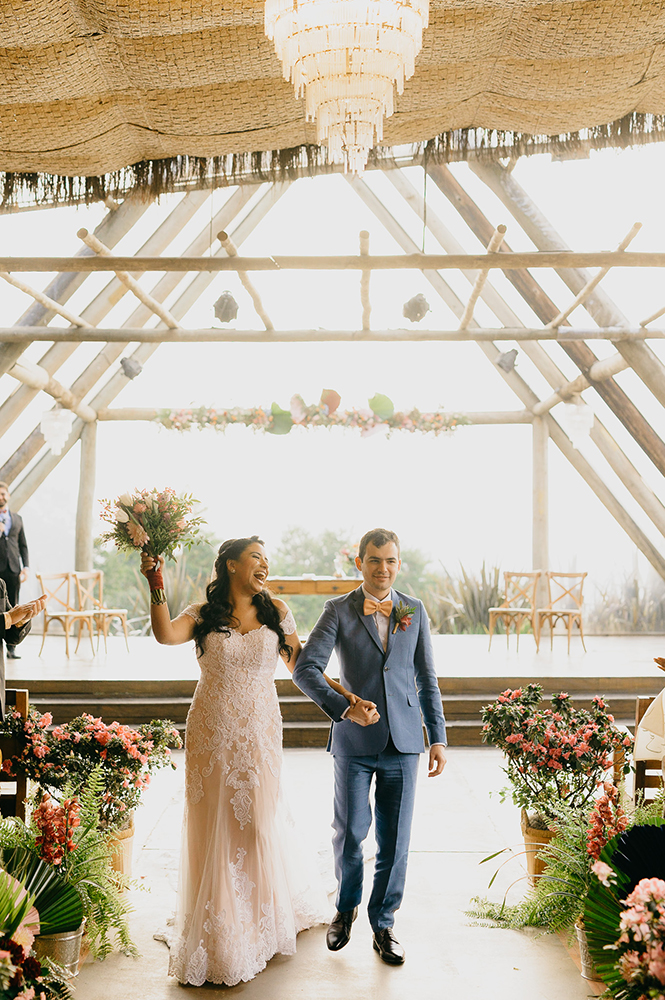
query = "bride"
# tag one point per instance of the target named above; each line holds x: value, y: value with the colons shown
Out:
x: 243, y: 892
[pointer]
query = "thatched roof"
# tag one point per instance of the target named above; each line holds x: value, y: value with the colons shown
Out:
x: 88, y: 87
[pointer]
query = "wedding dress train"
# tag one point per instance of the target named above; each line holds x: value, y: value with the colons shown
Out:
x: 245, y: 890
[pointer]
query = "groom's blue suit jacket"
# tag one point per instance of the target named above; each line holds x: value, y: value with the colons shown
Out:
x: 401, y: 681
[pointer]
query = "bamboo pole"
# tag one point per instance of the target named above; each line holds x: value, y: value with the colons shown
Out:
x: 111, y: 352
x: 36, y: 476
x: 632, y: 419
x: 605, y: 312
x: 83, y: 555
x: 540, y: 509
x: 128, y: 280
x: 523, y: 391
x: 609, y: 449
x: 506, y: 261
x: 650, y: 319
x: 592, y: 283
x: 232, y: 251
x: 128, y: 413
x: 492, y: 247
x: 598, y: 371
x: 133, y: 334
x: 101, y: 305
x: 44, y: 300
x: 364, y: 280
x: 39, y: 379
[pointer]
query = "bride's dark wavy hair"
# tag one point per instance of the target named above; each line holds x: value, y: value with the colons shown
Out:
x: 217, y: 613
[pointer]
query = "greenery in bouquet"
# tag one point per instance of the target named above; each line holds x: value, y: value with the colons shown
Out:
x: 65, y: 756
x: 22, y: 974
x: 154, y: 521
x: 555, y: 754
x: 65, y: 861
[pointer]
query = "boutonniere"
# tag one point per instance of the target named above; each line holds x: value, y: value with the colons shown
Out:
x: 403, y: 615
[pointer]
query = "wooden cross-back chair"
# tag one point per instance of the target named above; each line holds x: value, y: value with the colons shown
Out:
x: 90, y: 589
x: 518, y: 604
x: 62, y: 606
x: 648, y: 773
x: 564, y: 594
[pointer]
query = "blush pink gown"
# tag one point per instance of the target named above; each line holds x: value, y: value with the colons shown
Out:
x: 245, y: 887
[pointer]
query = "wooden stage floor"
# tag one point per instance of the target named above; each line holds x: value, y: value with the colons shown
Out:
x: 456, y: 656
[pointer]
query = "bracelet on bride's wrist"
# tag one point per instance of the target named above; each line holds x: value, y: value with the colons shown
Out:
x: 158, y: 596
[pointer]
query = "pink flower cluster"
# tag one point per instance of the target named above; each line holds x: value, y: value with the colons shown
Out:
x: 642, y: 941
x: 152, y: 520
x: 56, y: 825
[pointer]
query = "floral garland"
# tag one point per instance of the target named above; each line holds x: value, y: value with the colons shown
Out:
x: 380, y: 414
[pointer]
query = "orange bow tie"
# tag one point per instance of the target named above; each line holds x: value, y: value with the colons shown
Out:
x: 371, y: 607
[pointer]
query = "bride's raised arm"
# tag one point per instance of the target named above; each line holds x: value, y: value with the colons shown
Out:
x: 165, y: 631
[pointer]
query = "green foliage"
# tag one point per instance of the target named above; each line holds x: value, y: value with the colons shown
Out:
x: 463, y: 602
x: 13, y: 908
x: 629, y: 606
x: 156, y: 522
x: 58, y: 903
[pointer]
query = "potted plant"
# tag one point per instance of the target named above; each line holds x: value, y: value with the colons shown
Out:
x: 22, y: 974
x: 64, y: 859
x: 555, y: 756
x: 66, y: 755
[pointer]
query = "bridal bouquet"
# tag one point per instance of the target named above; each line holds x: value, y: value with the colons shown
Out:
x: 154, y: 521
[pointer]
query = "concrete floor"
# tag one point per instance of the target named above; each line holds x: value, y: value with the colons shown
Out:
x: 458, y: 822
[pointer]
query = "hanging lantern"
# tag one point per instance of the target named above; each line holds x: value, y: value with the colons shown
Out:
x: 577, y: 422
x: 506, y: 361
x: 56, y: 425
x: 226, y: 308
x: 346, y: 56
x: 416, y: 308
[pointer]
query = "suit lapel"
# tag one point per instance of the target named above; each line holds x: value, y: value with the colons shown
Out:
x: 391, y: 624
x: 367, y: 620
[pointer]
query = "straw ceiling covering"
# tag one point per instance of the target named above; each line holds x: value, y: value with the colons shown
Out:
x: 89, y: 87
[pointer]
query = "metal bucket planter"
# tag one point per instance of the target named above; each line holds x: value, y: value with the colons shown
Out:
x: 587, y: 967
x: 63, y: 948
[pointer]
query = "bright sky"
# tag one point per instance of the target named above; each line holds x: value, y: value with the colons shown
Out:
x: 464, y: 499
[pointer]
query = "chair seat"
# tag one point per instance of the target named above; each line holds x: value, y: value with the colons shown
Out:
x: 110, y: 611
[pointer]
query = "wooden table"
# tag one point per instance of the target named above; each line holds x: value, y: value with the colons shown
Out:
x: 313, y: 584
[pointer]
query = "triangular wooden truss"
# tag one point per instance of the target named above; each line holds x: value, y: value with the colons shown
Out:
x: 102, y: 380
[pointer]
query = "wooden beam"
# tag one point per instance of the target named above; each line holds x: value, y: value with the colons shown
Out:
x: 598, y: 371
x: 526, y: 395
x: 33, y: 480
x: 363, y: 238
x: 474, y: 417
x: 545, y: 309
x: 505, y: 261
x: 605, y: 312
x: 492, y: 247
x: 540, y: 505
x: 231, y: 249
x: 86, y: 500
x: 44, y: 300
x: 133, y: 334
x: 39, y: 379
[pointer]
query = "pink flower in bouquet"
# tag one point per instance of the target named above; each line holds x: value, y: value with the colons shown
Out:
x: 604, y: 873
x: 139, y: 507
x: 138, y: 535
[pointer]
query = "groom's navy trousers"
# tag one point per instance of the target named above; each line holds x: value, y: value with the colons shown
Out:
x: 402, y: 682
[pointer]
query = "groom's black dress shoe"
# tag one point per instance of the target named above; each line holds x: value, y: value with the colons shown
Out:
x: 339, y: 931
x: 388, y: 947
x: 12, y: 654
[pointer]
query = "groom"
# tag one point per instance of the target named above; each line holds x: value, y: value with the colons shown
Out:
x: 383, y: 644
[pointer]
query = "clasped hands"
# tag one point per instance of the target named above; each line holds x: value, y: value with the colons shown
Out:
x: 22, y: 613
x: 362, y: 712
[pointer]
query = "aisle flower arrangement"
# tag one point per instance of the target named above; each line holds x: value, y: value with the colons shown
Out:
x: 65, y: 756
x: 153, y: 521
x: 555, y: 754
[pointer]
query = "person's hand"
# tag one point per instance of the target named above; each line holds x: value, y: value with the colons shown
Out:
x: 24, y: 612
x: 363, y: 713
x: 149, y: 563
x: 437, y: 761
x: 23, y: 575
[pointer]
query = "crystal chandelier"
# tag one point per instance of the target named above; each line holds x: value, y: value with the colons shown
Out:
x: 346, y: 56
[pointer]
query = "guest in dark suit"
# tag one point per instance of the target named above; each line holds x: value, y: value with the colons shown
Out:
x: 13, y: 555
x: 14, y: 626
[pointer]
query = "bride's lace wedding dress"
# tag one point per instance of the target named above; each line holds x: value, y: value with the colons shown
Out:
x: 243, y: 892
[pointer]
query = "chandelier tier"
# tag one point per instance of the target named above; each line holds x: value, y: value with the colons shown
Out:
x: 346, y: 57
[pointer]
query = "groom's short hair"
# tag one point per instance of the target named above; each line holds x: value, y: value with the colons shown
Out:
x: 377, y: 537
